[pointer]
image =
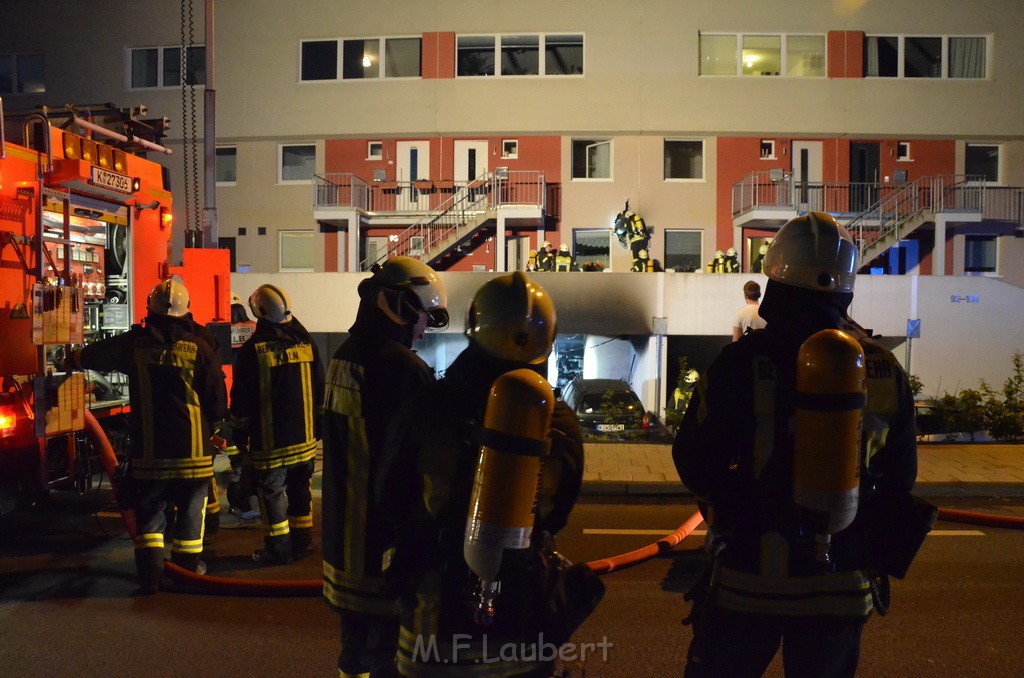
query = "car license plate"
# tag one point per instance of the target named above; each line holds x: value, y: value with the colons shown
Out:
x: 611, y: 427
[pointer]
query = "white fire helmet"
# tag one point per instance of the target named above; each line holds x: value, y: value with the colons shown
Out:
x: 271, y: 303
x: 407, y: 273
x: 513, y: 318
x: 170, y: 298
x: 813, y: 252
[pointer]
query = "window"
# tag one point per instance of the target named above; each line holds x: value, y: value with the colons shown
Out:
x: 684, y: 159
x: 982, y: 160
x: 21, y: 74
x: 227, y: 165
x: 416, y: 245
x: 520, y: 54
x: 762, y: 54
x: 903, y: 151
x: 980, y: 254
x: 794, y: 56
x: 375, y: 150
x: 297, y: 163
x: 593, y: 247
x: 361, y: 59
x: 892, y: 56
x: 163, y: 67
x: 510, y: 148
x: 767, y: 149
x: 682, y: 250
x: 319, y: 60
x: 296, y: 253
x: 591, y: 159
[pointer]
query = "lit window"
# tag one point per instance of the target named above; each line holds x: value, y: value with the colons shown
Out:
x: 593, y: 247
x: 762, y: 55
x: 684, y: 159
x: 510, y: 148
x: 360, y: 59
x: 805, y: 56
x: 717, y: 54
x: 591, y: 159
x: 297, y: 163
x: 683, y: 250
x: 982, y: 160
x: 163, y: 67
x: 227, y: 165
x: 374, y: 150
x: 296, y: 250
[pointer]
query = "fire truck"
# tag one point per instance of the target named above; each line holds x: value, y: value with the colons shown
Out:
x: 85, y: 233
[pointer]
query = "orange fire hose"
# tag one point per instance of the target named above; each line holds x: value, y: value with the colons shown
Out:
x: 314, y: 587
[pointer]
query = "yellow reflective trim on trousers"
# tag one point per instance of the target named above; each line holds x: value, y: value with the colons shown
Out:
x: 845, y: 594
x: 187, y: 545
x: 342, y: 674
x: 371, y: 585
x: 300, y: 522
x: 149, y: 540
x: 818, y: 605
x: 284, y: 456
x: 278, y: 529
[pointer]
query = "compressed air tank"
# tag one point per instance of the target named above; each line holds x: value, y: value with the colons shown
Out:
x: 830, y: 398
x: 504, y: 496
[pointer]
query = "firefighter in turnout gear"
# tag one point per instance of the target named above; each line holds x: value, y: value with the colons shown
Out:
x: 435, y: 460
x: 177, y: 395
x: 779, y: 576
x: 732, y: 262
x: 565, y: 261
x: 276, y: 401
x: 369, y: 375
x: 632, y: 232
x: 545, y: 257
x: 717, y: 265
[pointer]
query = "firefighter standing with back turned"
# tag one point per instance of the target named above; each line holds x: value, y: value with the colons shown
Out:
x: 276, y: 398
x: 454, y: 623
x: 177, y: 396
x: 783, y: 573
x: 368, y: 377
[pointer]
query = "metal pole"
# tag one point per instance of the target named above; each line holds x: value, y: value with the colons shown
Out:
x: 210, y: 236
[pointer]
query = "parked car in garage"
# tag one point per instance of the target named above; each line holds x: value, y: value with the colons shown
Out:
x: 607, y: 408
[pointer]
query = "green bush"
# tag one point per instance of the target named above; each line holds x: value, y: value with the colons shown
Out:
x: 1001, y: 412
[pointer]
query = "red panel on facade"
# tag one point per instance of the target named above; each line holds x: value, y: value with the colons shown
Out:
x: 845, y: 54
x: 438, y: 56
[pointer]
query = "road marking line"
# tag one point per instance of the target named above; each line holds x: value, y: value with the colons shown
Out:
x: 701, y: 533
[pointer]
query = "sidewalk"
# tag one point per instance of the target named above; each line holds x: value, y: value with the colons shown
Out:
x: 944, y: 470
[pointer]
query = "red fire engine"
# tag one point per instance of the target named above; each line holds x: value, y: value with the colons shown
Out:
x: 85, y: 232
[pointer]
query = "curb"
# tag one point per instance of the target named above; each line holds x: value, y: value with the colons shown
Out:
x: 948, y: 490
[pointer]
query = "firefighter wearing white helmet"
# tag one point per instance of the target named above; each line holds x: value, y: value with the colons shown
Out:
x: 482, y: 432
x: 276, y: 397
x: 717, y: 263
x: 732, y: 262
x: 370, y: 374
x: 564, y: 260
x: 793, y: 439
x: 177, y: 397
x: 545, y: 256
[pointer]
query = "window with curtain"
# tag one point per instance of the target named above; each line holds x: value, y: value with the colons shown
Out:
x: 890, y: 56
x: 967, y: 58
x: 592, y: 246
x: 297, y: 162
x: 980, y: 253
x: 296, y: 250
x: 227, y: 165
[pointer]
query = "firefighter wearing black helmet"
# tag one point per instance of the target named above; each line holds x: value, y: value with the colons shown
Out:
x: 369, y: 375
x: 778, y: 576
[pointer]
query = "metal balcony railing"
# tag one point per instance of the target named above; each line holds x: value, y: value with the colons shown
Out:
x: 346, y: 190
x: 460, y: 214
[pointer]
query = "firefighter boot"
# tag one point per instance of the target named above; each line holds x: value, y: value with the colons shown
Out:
x: 302, y: 542
x: 277, y: 550
x: 149, y: 564
x: 189, y: 561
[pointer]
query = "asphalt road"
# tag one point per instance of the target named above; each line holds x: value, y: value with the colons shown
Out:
x: 66, y: 578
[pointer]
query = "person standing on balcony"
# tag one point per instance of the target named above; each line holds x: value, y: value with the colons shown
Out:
x: 369, y: 375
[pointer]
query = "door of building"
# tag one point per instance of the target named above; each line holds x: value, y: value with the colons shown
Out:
x: 865, y: 160
x: 413, y: 163
x: 807, y: 177
x: 470, y: 159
